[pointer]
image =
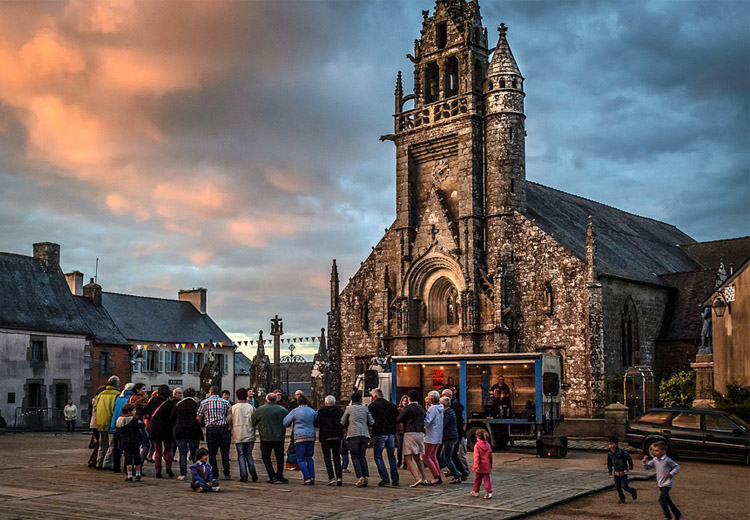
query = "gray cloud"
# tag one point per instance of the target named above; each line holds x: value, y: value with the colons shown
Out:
x: 274, y: 109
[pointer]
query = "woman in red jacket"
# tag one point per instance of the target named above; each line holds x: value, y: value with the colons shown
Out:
x: 482, y: 465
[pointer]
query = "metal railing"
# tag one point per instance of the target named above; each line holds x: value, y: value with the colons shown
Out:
x: 38, y: 418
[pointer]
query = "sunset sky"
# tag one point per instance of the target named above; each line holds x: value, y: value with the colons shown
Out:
x: 234, y: 145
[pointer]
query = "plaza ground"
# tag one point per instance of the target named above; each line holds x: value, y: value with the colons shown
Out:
x: 45, y: 476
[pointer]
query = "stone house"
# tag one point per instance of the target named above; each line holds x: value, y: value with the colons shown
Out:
x: 481, y: 260
x: 177, y: 339
x: 731, y: 329
x: 42, y: 340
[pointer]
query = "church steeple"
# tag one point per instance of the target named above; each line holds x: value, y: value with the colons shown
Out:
x: 503, y: 63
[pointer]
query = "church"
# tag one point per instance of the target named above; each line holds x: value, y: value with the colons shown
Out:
x: 481, y: 260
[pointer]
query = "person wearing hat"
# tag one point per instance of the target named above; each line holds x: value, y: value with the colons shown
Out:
x: 115, y: 447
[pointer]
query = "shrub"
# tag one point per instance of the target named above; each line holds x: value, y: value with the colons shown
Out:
x: 736, y: 401
x: 678, y: 391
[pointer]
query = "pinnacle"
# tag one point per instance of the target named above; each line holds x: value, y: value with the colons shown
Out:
x: 503, y: 61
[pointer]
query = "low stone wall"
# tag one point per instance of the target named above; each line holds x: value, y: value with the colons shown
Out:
x: 614, y: 423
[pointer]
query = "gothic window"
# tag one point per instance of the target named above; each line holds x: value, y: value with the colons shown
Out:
x: 443, y: 308
x: 478, y: 76
x: 451, y: 309
x: 441, y: 35
x: 549, y: 299
x: 629, y: 334
x: 431, y: 73
x: 451, y: 77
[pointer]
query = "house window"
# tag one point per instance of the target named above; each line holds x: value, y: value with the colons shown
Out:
x: 104, y: 363
x: 174, y: 361
x: 629, y: 334
x: 11, y: 397
x: 34, y: 395
x: 196, y: 362
x: 37, y: 351
x: 61, y: 395
x: 152, y: 358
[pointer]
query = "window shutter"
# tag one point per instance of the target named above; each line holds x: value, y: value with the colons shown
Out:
x: 184, y: 362
x: 191, y: 362
x: 161, y: 361
x: 136, y: 364
x: 226, y: 363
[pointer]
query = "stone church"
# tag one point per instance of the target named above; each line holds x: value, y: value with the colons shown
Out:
x: 481, y: 260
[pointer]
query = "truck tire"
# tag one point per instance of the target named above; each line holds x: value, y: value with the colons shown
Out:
x: 471, y: 437
x: 501, y: 442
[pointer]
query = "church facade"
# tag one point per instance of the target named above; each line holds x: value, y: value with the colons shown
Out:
x: 481, y: 260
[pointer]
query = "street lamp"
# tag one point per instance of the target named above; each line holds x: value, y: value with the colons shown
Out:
x: 720, y: 306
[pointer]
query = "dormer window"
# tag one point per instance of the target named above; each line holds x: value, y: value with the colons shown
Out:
x: 441, y: 35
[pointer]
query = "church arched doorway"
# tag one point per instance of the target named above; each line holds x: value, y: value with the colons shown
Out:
x: 443, y: 306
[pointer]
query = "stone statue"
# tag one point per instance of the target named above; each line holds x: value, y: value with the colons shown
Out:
x: 706, y: 331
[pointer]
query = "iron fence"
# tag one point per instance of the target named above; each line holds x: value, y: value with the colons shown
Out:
x: 37, y: 418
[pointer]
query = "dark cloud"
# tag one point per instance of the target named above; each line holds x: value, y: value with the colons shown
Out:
x: 235, y: 145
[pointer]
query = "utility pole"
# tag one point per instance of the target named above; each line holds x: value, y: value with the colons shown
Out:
x: 277, y: 330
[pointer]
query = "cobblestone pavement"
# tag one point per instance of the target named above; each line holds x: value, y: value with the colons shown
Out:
x: 44, y: 476
x: 579, y: 444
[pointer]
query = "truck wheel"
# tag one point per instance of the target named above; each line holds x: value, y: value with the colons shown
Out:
x: 502, y: 442
x: 471, y: 437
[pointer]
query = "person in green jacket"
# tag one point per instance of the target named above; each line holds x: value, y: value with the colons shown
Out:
x: 268, y: 419
x: 104, y: 405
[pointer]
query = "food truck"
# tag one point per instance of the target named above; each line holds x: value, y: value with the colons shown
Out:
x: 533, y: 381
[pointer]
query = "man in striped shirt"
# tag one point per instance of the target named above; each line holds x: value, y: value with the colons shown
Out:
x: 213, y: 412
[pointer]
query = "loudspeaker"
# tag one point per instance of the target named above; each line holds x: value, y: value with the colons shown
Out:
x: 552, y: 446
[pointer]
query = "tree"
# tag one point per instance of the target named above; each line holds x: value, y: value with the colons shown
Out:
x: 678, y: 391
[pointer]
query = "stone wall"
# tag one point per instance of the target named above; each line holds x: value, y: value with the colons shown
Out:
x: 650, y: 302
x: 540, y: 261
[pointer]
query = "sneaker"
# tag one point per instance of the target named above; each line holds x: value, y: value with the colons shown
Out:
x: 254, y: 475
x: 346, y: 470
x: 488, y: 495
x: 474, y: 494
x: 181, y: 477
x: 128, y: 479
x: 271, y: 481
x: 277, y: 481
x: 383, y: 483
x: 169, y: 472
x: 243, y: 479
x: 394, y: 483
x: 339, y: 482
x: 332, y: 482
x: 456, y: 480
x: 284, y: 480
x: 216, y: 489
x: 360, y: 482
x: 137, y: 478
x: 635, y: 494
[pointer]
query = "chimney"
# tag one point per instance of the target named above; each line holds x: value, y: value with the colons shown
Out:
x: 195, y: 296
x: 75, y: 282
x: 48, y: 253
x: 93, y: 291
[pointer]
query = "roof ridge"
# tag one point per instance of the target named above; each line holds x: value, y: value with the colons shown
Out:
x: 714, y: 241
x: 609, y: 206
x: 146, y: 297
x: 18, y: 255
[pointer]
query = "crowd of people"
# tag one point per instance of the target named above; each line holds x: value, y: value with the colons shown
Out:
x: 131, y: 427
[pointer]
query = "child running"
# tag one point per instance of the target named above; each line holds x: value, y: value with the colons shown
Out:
x: 482, y: 465
x: 202, y: 476
x: 132, y: 433
x: 619, y: 462
x: 666, y: 469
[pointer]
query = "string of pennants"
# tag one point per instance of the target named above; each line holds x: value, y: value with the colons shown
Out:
x: 209, y: 344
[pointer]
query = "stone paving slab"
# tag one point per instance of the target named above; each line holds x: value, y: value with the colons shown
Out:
x: 46, y: 477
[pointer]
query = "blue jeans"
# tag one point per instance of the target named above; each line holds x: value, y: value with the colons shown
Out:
x: 245, y: 457
x: 305, y: 458
x: 204, y: 487
x: 184, y: 446
x: 358, y: 448
x: 446, y: 457
x: 387, y: 441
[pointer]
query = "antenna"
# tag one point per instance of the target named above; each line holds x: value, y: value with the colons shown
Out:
x: 96, y: 272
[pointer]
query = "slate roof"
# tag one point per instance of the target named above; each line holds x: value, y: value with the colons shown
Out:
x: 99, y: 322
x: 709, y: 254
x: 36, y: 298
x: 242, y: 363
x: 158, y: 320
x: 627, y: 246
